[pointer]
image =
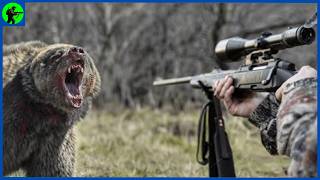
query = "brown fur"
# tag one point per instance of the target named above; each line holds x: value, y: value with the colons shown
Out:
x: 38, y: 121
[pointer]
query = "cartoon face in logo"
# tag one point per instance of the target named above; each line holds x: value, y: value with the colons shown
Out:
x: 12, y: 13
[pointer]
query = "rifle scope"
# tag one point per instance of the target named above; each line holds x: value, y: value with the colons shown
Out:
x: 233, y: 49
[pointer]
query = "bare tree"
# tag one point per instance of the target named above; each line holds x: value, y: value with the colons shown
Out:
x: 133, y: 44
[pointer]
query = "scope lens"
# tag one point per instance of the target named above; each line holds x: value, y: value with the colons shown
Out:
x: 307, y: 35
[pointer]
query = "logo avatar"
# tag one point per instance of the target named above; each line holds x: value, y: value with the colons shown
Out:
x: 12, y: 13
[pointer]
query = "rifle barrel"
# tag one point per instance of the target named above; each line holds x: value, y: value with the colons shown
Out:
x: 172, y: 81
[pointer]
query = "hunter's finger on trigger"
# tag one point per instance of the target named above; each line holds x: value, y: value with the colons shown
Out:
x: 229, y: 93
x: 227, y: 82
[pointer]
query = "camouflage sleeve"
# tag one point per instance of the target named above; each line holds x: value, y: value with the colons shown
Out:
x: 264, y: 117
x: 297, y: 121
x: 290, y: 129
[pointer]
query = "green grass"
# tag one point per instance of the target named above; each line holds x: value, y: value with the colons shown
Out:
x: 145, y: 142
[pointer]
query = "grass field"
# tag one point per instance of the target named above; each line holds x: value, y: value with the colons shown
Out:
x: 145, y: 142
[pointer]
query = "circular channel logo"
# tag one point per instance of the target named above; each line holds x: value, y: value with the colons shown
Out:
x: 12, y: 13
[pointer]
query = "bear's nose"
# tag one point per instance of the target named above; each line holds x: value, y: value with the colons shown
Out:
x: 76, y: 50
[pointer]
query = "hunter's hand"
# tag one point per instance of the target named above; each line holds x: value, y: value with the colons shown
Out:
x: 237, y: 104
x: 303, y: 73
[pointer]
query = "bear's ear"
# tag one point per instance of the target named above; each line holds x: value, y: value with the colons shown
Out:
x: 93, y: 81
x: 39, y: 50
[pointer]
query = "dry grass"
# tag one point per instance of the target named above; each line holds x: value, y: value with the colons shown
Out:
x: 148, y: 142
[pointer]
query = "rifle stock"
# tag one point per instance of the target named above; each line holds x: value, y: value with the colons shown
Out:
x: 267, y: 77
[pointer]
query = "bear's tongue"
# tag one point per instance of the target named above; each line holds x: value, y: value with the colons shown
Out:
x: 74, y: 94
x: 73, y: 89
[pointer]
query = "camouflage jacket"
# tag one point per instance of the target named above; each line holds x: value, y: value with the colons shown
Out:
x: 290, y: 128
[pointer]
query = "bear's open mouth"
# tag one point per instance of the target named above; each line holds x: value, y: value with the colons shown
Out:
x: 73, y: 82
